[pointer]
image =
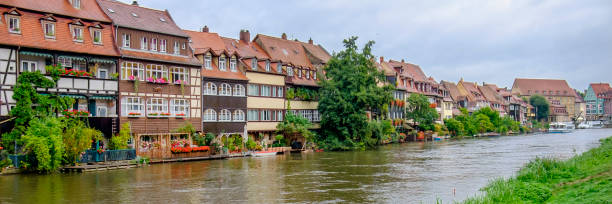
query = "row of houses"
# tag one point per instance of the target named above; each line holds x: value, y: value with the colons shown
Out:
x: 598, y: 99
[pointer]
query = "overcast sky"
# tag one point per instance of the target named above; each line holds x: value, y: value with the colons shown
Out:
x: 482, y: 41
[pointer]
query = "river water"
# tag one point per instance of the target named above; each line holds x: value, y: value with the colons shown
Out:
x: 403, y: 173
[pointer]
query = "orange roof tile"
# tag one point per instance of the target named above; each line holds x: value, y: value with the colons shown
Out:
x: 286, y: 51
x: 546, y: 87
x: 204, y: 41
x: 32, y: 36
x: 413, y: 70
x: 244, y: 49
x: 490, y: 94
x: 317, y: 51
x: 186, y: 60
x: 89, y: 8
x: 141, y: 18
x: 600, y: 88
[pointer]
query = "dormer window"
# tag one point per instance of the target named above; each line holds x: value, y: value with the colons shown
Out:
x: 154, y: 44
x: 144, y: 43
x: 279, y: 68
x: 290, y: 71
x: 207, y: 61
x: 254, y: 64
x: 222, y: 65
x: 162, y: 45
x: 314, y: 75
x: 307, y: 74
x: 49, y: 28
x: 300, y: 73
x: 14, y: 24
x: 177, y: 50
x: 97, y: 36
x: 77, y: 33
x: 76, y: 4
x: 233, y: 64
x: 267, y: 66
x: 126, y: 40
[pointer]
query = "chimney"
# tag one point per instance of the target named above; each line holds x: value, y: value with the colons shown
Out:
x: 402, y: 60
x: 382, y: 59
x: 284, y: 36
x: 135, y: 3
x: 245, y: 36
x: 310, y: 41
x: 205, y: 29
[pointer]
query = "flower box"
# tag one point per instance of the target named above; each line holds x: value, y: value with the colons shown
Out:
x: 180, y: 115
x: 76, y: 73
x: 133, y: 78
x: 134, y: 114
x: 75, y: 113
x: 179, y: 82
x: 157, y: 81
x: 165, y: 114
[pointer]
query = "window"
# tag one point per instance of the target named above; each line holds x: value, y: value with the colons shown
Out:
x: 126, y: 40
x: 266, y: 115
x: 238, y: 116
x: 210, y: 115
x: 279, y: 115
x: 97, y: 36
x: 238, y: 90
x: 132, y: 71
x: 222, y: 65
x: 210, y: 89
x: 307, y: 74
x: 177, y: 50
x: 156, y: 71
x: 76, y: 4
x: 280, y: 92
x: 28, y: 66
x: 162, y: 45
x: 279, y: 68
x: 290, y: 71
x: 132, y: 106
x: 14, y: 26
x: 225, y: 115
x: 144, y: 44
x: 101, y: 111
x: 207, y: 60
x: 254, y: 64
x: 265, y: 90
x: 299, y: 73
x: 102, y: 73
x: 77, y: 33
x: 233, y: 64
x: 64, y: 62
x: 157, y: 106
x: 49, y: 30
x: 253, y: 115
x: 253, y: 90
x: 179, y: 107
x: 179, y: 75
x: 154, y: 44
x: 267, y: 66
x: 225, y: 90
x: 273, y: 91
x: 184, y: 45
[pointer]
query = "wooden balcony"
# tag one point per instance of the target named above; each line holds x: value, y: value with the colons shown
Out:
x: 85, y: 85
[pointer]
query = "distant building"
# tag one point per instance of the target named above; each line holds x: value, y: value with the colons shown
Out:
x: 580, y: 109
x: 595, y: 97
x: 474, y: 97
x: 556, y: 91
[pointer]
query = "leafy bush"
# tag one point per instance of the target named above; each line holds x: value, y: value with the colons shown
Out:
x: 251, y: 144
x: 120, y: 141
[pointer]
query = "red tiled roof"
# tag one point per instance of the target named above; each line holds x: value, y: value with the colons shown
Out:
x: 542, y: 86
x: 89, y: 8
x: 244, y: 49
x: 453, y: 90
x: 214, y: 72
x: 600, y: 88
x: 472, y: 91
x: 286, y: 51
x: 386, y: 68
x: 317, y: 51
x: 32, y: 36
x: 205, y: 41
x: 491, y: 95
x: 414, y: 71
x: 146, y: 19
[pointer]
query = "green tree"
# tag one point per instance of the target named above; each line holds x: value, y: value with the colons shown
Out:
x: 484, y: 123
x: 541, y: 105
x: 348, y: 90
x: 77, y: 137
x: 120, y: 141
x: 454, y: 127
x: 43, y: 141
x: 419, y: 111
x: 294, y: 126
x: 493, y: 115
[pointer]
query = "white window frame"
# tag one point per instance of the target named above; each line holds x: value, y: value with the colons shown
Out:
x: 290, y: 71
x: 177, y: 50
x: 253, y: 90
x: 179, y: 73
x: 280, y: 91
x: 238, y: 116
x: 299, y: 73
x: 144, y: 43
x: 209, y: 115
x: 153, y: 44
x: 307, y: 74
x: 98, y: 110
x: 267, y: 65
x: 210, y: 89
x: 279, y: 68
x: 99, y: 76
x: 14, y: 24
x: 156, y: 71
x: 266, y: 115
x: 49, y: 28
x: 162, y: 45
x: 157, y: 105
x: 225, y: 115
x: 252, y: 115
x: 98, y: 32
x: 77, y: 32
x: 178, y: 106
x: 29, y: 66
x: 239, y: 90
x: 126, y: 40
x: 266, y: 90
x: 222, y: 63
x: 132, y: 105
x: 225, y: 90
x: 233, y: 64
x: 254, y: 64
x: 76, y: 4
x: 208, y: 61
x: 132, y: 69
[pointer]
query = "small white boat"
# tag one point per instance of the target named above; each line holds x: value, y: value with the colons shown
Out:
x: 264, y: 153
x: 558, y: 127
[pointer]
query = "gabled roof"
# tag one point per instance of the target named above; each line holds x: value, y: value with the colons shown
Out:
x: 202, y: 42
x: 600, y: 88
x: 140, y: 18
x: 283, y: 50
x: 470, y: 89
x: 317, y: 51
x: 453, y: 90
x: 89, y: 8
x: 542, y: 86
x: 414, y: 71
x: 33, y: 36
x: 244, y: 49
x: 491, y: 95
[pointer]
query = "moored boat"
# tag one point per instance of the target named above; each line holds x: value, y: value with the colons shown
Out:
x: 558, y: 127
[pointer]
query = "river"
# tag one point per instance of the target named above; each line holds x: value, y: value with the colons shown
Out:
x: 403, y: 173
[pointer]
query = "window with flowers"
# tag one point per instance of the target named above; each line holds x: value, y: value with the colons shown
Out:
x: 77, y: 33
x: 132, y: 71
x: 225, y: 90
x: 179, y: 75
x: 210, y: 89
x: 155, y: 71
x: 132, y: 106
x: 225, y: 115
x: 180, y: 108
x: 157, y: 107
x: 238, y: 116
x: 210, y: 115
x: 239, y: 90
x: 49, y: 28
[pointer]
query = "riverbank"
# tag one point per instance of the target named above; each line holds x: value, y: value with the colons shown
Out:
x: 586, y: 178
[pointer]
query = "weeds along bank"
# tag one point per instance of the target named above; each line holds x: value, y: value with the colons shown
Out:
x: 586, y: 178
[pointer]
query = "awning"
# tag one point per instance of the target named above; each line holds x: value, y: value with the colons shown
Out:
x: 73, y: 96
x: 36, y: 54
x: 75, y: 58
x: 103, y: 97
x: 103, y: 61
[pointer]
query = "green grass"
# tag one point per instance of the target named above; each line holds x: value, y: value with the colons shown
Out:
x: 586, y: 178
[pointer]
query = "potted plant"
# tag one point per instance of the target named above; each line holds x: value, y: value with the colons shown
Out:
x: 133, y: 114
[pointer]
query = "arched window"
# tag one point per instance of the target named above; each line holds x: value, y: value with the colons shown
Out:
x: 225, y: 115
x: 210, y: 89
x: 225, y: 90
x: 222, y: 65
x: 238, y: 116
x: 210, y: 115
x: 239, y: 90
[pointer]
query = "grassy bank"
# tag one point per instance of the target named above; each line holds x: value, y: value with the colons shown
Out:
x: 586, y: 178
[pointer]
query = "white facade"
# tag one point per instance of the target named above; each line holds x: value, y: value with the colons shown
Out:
x: 8, y: 78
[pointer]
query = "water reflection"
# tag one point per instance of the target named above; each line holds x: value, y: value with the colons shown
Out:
x: 406, y: 173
